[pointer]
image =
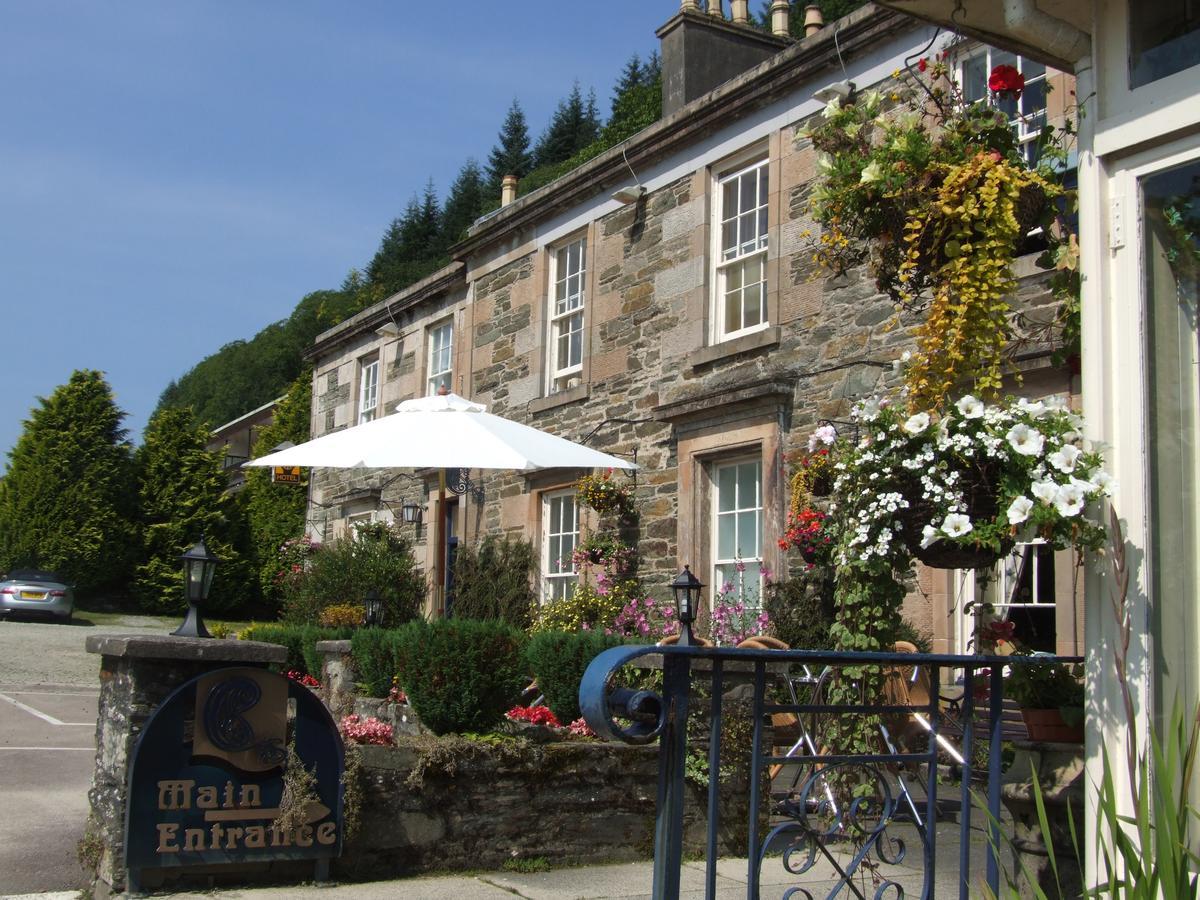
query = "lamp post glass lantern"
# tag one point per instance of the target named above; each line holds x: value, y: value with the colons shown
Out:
x: 411, y: 513
x: 372, y: 609
x: 199, y: 566
x: 686, y: 588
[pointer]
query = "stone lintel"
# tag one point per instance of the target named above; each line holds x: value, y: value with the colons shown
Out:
x: 132, y: 646
x: 706, y: 404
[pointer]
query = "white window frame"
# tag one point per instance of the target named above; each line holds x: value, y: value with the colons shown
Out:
x: 559, y: 583
x: 1027, y: 127
x: 566, y: 313
x: 998, y: 591
x: 732, y: 262
x: 752, y: 594
x: 368, y: 390
x: 439, y: 358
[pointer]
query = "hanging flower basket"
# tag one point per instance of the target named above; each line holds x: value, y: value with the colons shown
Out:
x: 979, y: 493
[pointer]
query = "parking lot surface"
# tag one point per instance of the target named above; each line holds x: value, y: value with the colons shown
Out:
x: 49, y: 688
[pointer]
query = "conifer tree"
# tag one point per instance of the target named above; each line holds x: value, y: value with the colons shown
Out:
x: 464, y: 204
x: 67, y: 499
x: 275, y: 512
x: 573, y: 126
x: 181, y: 498
x: 411, y: 247
x: 631, y: 77
x: 510, y: 155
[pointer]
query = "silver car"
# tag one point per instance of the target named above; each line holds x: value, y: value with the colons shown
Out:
x: 37, y: 591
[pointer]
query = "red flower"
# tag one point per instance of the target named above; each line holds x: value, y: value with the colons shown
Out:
x: 1006, y: 81
x: 922, y: 64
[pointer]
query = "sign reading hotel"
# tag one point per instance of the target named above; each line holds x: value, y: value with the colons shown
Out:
x: 206, y: 785
x: 285, y: 474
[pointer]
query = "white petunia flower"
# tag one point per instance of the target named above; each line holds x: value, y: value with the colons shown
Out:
x: 957, y: 524
x: 1105, y: 482
x: 918, y: 423
x: 1064, y: 458
x: 832, y: 107
x: 970, y: 407
x: 826, y: 434
x: 824, y: 163
x: 868, y: 410
x: 1034, y: 408
x: 1045, y: 491
x: 871, y: 173
x: 929, y: 534
x: 1070, y: 499
x: 1025, y: 440
x: 1018, y: 510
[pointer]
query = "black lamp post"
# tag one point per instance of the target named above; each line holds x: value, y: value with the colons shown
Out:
x: 199, y: 566
x: 372, y: 609
x: 411, y: 513
x: 686, y: 588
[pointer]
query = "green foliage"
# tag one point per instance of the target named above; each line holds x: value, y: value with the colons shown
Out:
x: 411, y: 247
x: 1047, y: 686
x: 275, y: 512
x: 376, y: 658
x: 243, y: 375
x: 558, y: 660
x: 510, y: 155
x: 300, y: 641
x: 801, y: 610
x: 181, y: 498
x: 378, y: 558
x: 67, y: 500
x: 573, y: 126
x: 464, y: 204
x: 494, y: 580
x: 586, y: 608
x: 461, y: 675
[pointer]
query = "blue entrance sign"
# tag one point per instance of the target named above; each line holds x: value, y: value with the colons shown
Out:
x: 206, y: 785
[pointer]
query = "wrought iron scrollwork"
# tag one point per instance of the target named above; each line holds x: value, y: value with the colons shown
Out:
x: 643, y: 713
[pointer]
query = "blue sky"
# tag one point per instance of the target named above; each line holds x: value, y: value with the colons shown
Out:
x: 176, y: 175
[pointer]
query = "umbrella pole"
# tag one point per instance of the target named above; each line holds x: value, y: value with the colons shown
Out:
x: 439, y: 567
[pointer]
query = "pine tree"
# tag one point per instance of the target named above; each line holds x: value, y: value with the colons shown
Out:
x: 66, y: 501
x: 573, y: 126
x: 276, y: 511
x: 631, y: 77
x: 181, y: 498
x: 411, y: 247
x: 510, y: 156
x: 464, y: 204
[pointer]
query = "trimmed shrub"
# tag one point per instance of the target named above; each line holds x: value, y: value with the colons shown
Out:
x: 801, y: 610
x: 459, y: 674
x: 494, y: 580
x: 300, y: 641
x: 375, y: 659
x: 558, y: 660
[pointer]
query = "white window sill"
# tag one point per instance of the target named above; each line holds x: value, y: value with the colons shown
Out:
x: 560, y: 398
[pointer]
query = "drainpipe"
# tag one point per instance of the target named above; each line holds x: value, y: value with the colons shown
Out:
x: 1038, y: 28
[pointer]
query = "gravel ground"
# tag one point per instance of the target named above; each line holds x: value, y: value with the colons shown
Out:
x: 34, y: 652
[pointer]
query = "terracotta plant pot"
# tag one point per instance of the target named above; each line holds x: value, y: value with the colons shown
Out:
x: 1047, y: 725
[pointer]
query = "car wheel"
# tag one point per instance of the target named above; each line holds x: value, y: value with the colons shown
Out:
x: 66, y: 620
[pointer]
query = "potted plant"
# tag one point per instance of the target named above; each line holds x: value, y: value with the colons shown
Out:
x: 1051, y: 700
x: 601, y: 493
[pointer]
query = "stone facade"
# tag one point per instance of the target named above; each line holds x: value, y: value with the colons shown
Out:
x: 657, y: 378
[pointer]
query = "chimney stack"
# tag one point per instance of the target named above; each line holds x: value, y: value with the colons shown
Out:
x: 508, y: 189
x: 714, y: 9
x: 813, y: 20
x: 779, y: 18
x: 740, y: 10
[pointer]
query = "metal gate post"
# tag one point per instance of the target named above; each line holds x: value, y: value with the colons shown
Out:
x: 668, y: 826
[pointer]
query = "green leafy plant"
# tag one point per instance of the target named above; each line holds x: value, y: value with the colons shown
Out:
x: 558, y: 660
x: 300, y: 641
x: 378, y: 558
x: 376, y: 659
x: 494, y: 580
x: 586, y: 609
x: 1047, y: 686
x: 801, y: 609
x: 461, y: 675
x: 605, y: 495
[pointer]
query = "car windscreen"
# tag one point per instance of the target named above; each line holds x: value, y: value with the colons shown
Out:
x: 34, y: 575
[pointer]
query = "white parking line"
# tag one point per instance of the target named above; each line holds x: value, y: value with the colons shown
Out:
x: 41, y: 715
x: 54, y: 693
x: 89, y: 749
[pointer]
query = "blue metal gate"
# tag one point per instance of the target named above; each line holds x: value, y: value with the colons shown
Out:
x: 810, y: 817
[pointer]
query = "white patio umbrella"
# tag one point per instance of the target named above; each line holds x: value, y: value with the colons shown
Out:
x: 442, y: 432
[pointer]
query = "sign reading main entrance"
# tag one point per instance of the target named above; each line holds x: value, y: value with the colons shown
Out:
x: 207, y: 781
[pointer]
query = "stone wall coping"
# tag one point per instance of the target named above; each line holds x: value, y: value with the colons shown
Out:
x: 342, y: 646
x: 138, y: 646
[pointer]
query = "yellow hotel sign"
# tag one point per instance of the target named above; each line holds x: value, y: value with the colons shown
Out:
x: 285, y: 474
